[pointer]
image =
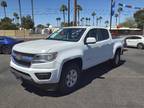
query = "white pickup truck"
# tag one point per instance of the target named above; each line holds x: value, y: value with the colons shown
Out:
x: 56, y: 62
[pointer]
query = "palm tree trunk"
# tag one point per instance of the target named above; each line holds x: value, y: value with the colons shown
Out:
x: 96, y: 22
x: 78, y: 16
x: 57, y: 23
x: 119, y: 18
x: 100, y: 22
x: 5, y: 11
x: 93, y: 20
x: 116, y: 21
x: 64, y: 17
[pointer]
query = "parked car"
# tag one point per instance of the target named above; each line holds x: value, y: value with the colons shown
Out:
x: 57, y: 61
x: 6, y: 44
x: 135, y: 41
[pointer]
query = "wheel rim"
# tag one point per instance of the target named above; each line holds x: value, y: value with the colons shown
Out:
x: 117, y: 59
x: 71, y: 78
x: 140, y: 46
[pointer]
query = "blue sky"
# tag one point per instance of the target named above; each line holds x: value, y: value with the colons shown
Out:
x: 46, y: 11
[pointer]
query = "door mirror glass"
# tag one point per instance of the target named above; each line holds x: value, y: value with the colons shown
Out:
x: 90, y: 40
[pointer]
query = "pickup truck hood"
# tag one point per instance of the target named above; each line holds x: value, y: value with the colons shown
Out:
x: 40, y: 46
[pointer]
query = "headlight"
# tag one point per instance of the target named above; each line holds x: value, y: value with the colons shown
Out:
x: 42, y: 58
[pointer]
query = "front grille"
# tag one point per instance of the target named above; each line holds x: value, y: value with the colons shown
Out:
x: 22, y: 59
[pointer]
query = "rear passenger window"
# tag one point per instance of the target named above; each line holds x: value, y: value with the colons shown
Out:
x: 102, y: 34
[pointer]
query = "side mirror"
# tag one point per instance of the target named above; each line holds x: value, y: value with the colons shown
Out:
x: 90, y: 40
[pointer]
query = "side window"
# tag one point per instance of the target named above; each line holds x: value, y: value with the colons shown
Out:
x: 92, y: 33
x: 102, y: 34
x: 134, y: 37
x: 105, y: 34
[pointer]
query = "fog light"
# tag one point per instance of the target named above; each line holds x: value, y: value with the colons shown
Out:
x: 43, y: 76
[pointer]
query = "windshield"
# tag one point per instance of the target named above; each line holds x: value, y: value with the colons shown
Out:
x: 67, y: 34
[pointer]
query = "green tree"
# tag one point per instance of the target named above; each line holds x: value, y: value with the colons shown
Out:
x: 63, y: 9
x: 6, y: 24
x: 27, y: 22
x: 120, y: 9
x: 86, y: 21
x: 129, y: 22
x: 48, y: 24
x: 139, y: 18
x: 79, y: 8
x: 40, y: 26
x: 93, y: 15
x: 82, y: 21
x: 4, y: 5
x: 16, y: 17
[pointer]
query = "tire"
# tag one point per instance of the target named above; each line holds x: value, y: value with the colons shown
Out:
x: 69, y: 78
x: 117, y: 58
x: 6, y: 49
x: 140, y: 46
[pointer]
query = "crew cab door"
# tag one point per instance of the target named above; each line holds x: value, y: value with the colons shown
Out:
x: 98, y: 52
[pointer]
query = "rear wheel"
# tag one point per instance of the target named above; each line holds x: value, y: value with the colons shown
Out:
x: 140, y: 46
x: 69, y: 78
x: 117, y: 58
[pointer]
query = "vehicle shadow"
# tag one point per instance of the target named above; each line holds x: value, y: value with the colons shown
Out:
x: 86, y: 78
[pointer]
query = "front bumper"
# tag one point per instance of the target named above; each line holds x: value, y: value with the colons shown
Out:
x: 29, y: 74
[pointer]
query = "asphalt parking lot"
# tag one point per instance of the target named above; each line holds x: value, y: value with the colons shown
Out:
x: 101, y: 87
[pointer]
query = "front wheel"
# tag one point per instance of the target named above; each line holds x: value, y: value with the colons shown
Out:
x: 117, y: 58
x: 6, y: 49
x: 69, y: 78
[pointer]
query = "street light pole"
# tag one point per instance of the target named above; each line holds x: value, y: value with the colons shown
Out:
x: 32, y: 11
x: 20, y: 13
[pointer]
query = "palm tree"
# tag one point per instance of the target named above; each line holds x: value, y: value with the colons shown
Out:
x: 116, y: 16
x: 89, y: 21
x: 58, y: 21
x: 106, y: 23
x: 93, y: 15
x: 120, y: 9
x: 82, y: 21
x: 16, y: 17
x: 63, y: 9
x: 4, y: 5
x: 79, y: 8
x: 86, y: 21
x: 100, y: 18
x: 48, y: 24
x: 97, y: 21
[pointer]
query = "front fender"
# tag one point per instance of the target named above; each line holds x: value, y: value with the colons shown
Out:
x: 65, y: 56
